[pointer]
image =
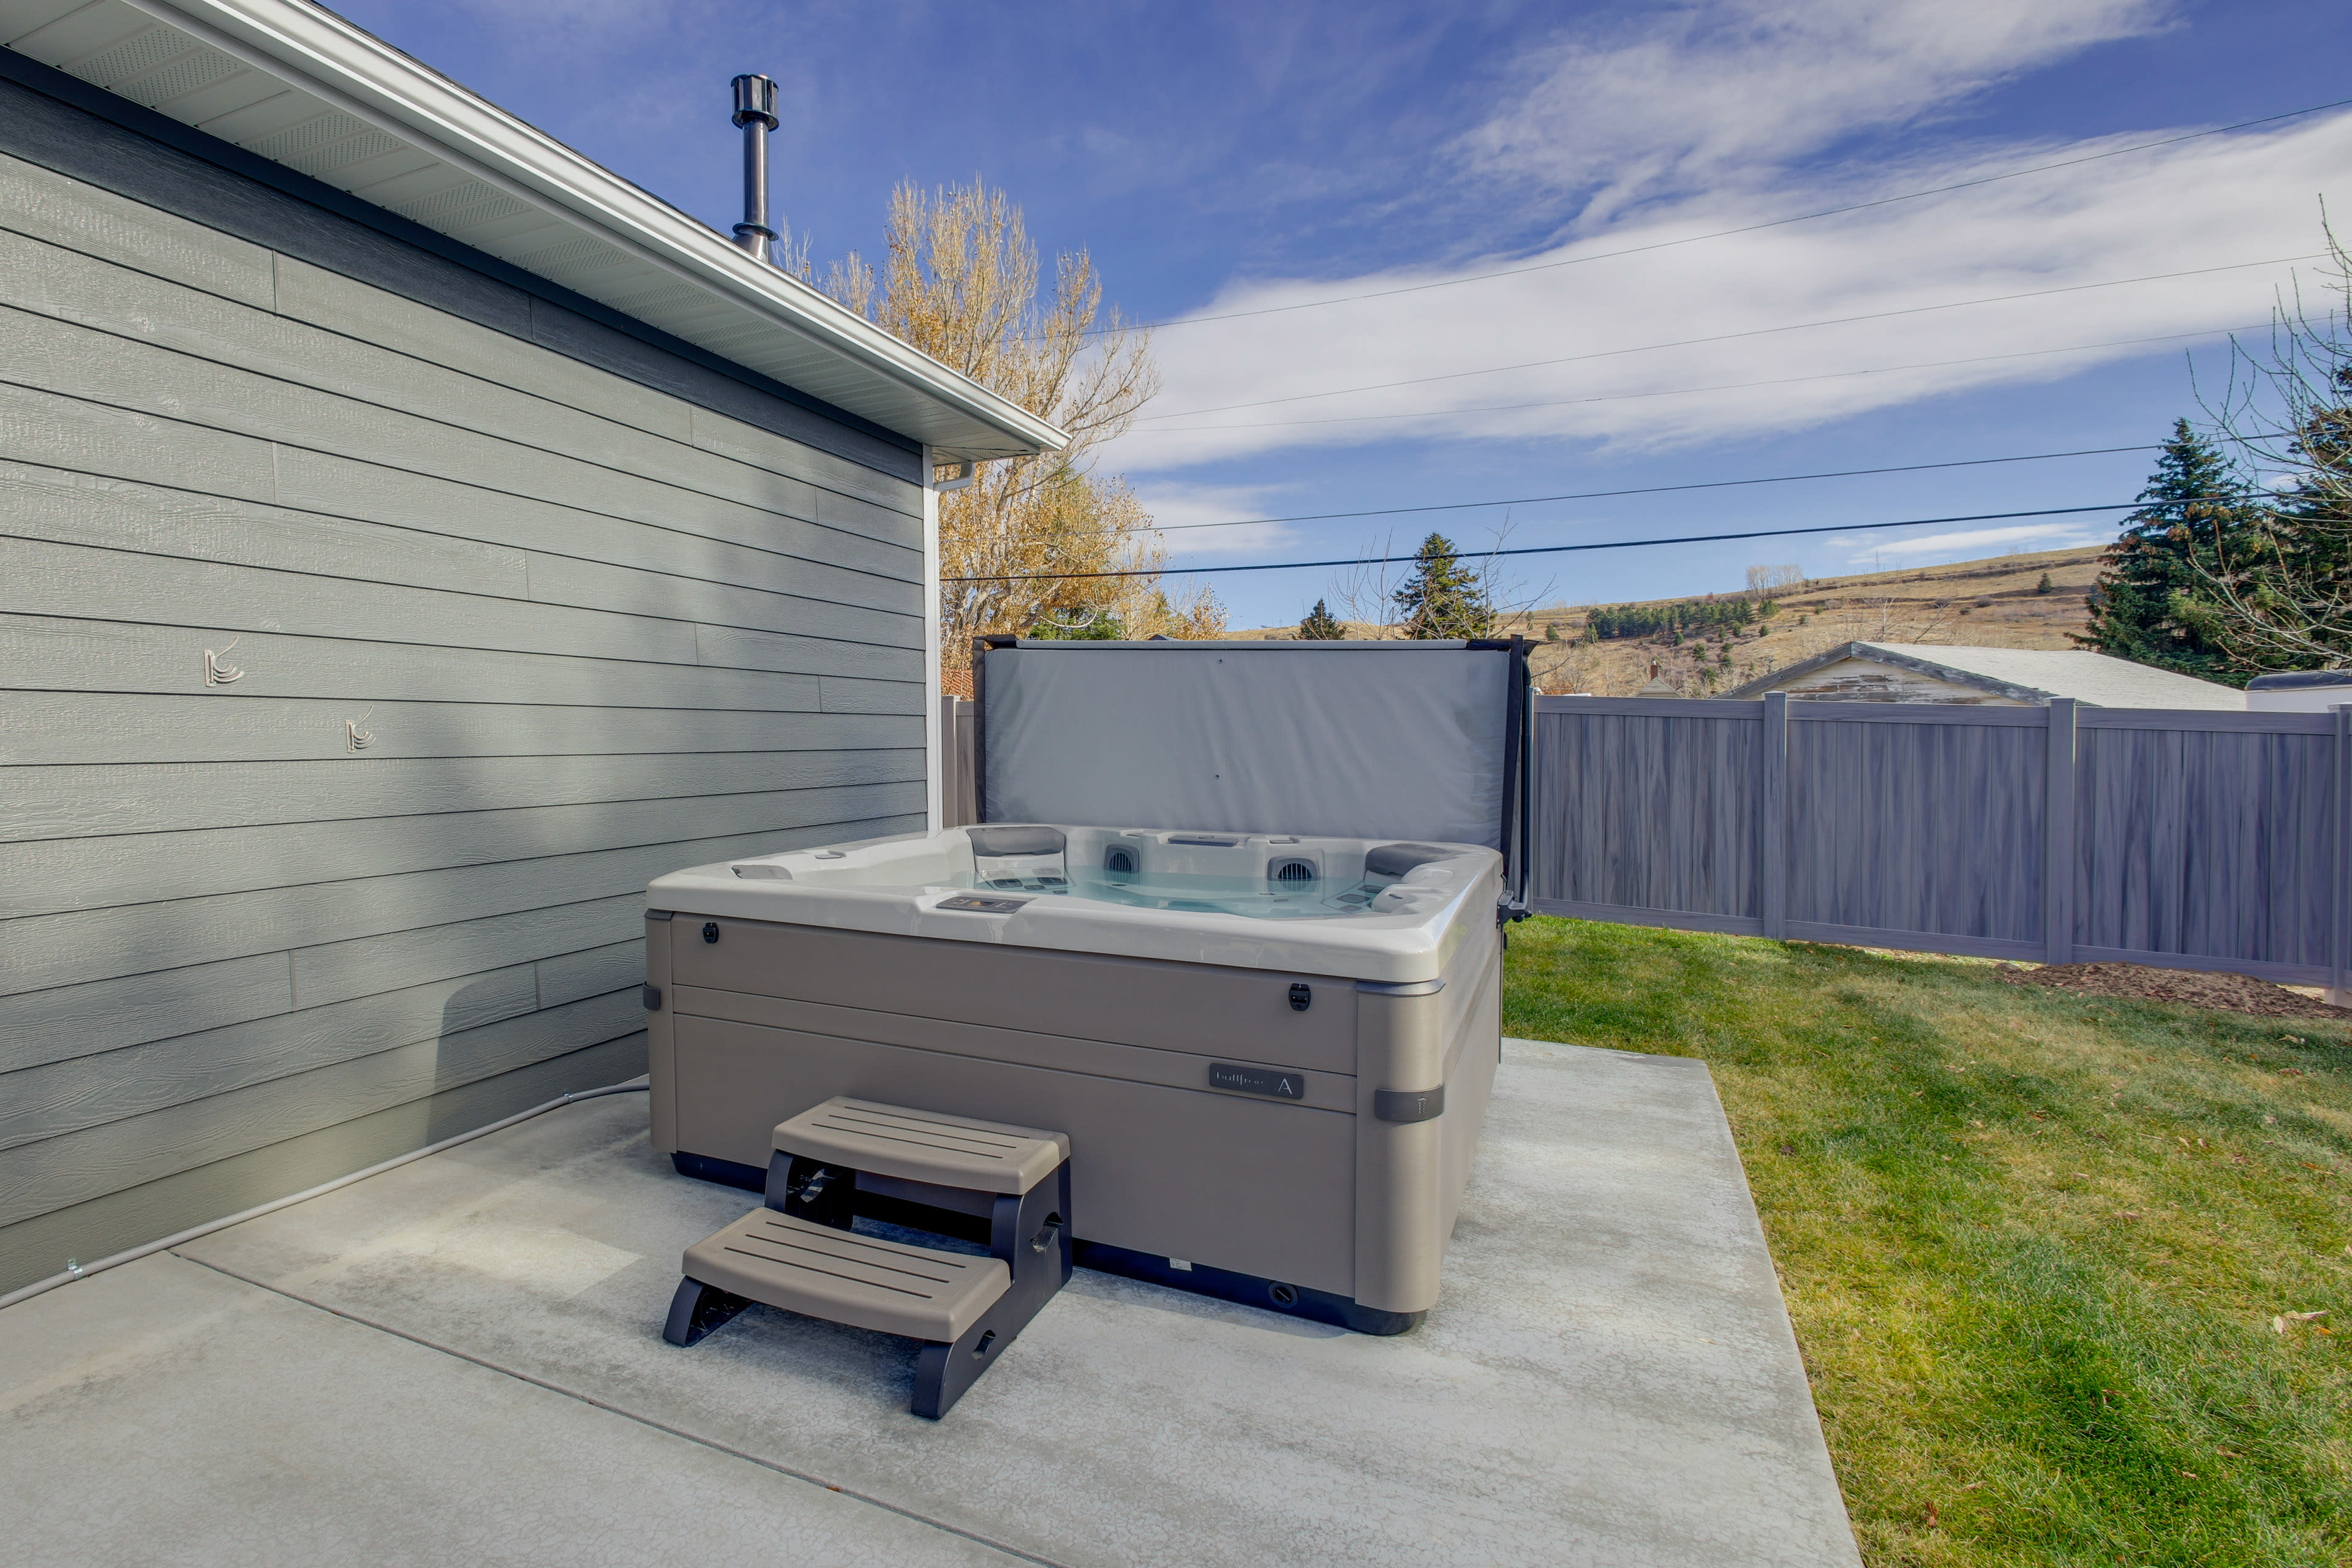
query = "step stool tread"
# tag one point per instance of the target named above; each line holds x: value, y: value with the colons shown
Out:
x: 924, y: 1145
x: 844, y: 1277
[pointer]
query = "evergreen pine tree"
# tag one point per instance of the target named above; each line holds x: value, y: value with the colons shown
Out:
x: 1442, y: 598
x: 2190, y: 507
x: 1321, y: 624
x: 2313, y: 530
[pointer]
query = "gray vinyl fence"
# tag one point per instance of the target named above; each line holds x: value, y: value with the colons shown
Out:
x: 2064, y: 834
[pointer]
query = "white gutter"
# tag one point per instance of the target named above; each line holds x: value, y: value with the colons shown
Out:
x: 327, y: 57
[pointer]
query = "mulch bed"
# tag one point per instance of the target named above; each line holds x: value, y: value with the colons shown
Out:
x: 2227, y: 993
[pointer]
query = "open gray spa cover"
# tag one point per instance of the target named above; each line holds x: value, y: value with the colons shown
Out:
x: 1353, y: 740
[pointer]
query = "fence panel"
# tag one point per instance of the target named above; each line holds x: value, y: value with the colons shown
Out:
x: 1649, y: 809
x: 1935, y: 828
x: 2206, y: 845
x: 2194, y: 840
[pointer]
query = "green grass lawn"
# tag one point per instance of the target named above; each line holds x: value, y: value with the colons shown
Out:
x: 2033, y: 1244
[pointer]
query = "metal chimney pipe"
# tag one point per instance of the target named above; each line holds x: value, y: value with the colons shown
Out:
x: 755, y: 112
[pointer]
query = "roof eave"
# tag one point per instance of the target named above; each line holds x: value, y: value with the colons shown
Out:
x: 323, y: 55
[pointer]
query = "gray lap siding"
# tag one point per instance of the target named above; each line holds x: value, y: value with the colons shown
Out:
x: 373, y: 629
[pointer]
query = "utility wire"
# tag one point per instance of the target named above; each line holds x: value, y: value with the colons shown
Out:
x: 1730, y: 337
x: 1547, y: 548
x: 1745, y: 228
x: 1692, y: 391
x: 1650, y: 489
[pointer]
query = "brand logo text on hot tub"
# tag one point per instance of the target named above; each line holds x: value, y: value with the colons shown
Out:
x: 1259, y: 1081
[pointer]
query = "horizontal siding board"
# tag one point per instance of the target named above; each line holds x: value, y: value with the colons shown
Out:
x: 736, y: 648
x: 78, y: 802
x: 358, y: 309
x: 812, y: 603
x: 752, y: 550
x: 45, y: 429
x: 643, y: 624
x: 89, y: 944
x: 99, y: 1160
x: 895, y: 697
x: 132, y: 1216
x: 65, y: 212
x: 339, y: 970
x: 40, y: 1027
x: 76, y: 289
x: 56, y: 653
x: 44, y: 354
x: 84, y: 1091
x: 592, y: 972
x: 708, y: 449
x: 57, y: 874
x: 842, y: 481
x: 68, y: 580
x: 61, y: 508
x: 224, y: 726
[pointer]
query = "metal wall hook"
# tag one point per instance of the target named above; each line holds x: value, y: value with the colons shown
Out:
x: 218, y: 671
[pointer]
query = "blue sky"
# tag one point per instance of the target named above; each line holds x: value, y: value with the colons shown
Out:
x: 1218, y: 158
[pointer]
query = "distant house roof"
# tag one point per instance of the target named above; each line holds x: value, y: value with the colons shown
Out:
x: 2023, y: 675
x: 295, y: 84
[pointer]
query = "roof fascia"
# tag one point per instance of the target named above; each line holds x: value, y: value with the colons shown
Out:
x: 1956, y: 675
x: 1764, y: 683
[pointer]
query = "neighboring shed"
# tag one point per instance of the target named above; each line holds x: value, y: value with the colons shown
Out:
x: 1993, y: 677
x: 414, y: 539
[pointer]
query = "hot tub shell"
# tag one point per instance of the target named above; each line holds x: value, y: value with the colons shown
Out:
x: 1277, y: 1109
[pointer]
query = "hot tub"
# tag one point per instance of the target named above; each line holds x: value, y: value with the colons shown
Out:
x: 1271, y: 1054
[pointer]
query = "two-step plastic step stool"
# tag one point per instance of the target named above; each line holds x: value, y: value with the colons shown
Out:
x: 801, y: 1254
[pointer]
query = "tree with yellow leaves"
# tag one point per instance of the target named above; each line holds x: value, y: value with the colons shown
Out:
x: 959, y: 280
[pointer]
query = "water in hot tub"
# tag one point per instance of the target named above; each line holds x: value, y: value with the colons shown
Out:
x: 1206, y: 892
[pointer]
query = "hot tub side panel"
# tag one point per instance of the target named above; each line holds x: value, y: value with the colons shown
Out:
x: 1116, y: 1052
x: 1409, y: 1175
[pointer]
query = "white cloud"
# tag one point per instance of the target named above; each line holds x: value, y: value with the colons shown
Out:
x: 1696, y: 95
x: 1697, y: 119
x: 1974, y: 542
x: 2254, y: 194
x: 1188, y: 507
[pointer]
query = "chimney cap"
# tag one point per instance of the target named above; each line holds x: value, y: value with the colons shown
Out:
x: 755, y: 98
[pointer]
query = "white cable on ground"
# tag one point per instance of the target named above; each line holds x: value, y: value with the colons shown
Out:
x: 83, y: 1271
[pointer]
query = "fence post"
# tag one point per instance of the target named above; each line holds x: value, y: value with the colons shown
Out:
x: 1772, y: 828
x: 2339, y: 804
x: 2058, y: 836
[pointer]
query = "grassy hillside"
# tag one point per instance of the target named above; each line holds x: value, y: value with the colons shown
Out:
x: 1996, y: 602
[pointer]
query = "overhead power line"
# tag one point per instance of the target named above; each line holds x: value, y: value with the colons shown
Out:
x: 1692, y: 391
x: 1651, y: 490
x: 1744, y: 228
x: 1545, y: 549
x: 1730, y: 337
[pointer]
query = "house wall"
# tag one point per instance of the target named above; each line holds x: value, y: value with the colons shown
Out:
x: 1860, y: 680
x: 372, y: 631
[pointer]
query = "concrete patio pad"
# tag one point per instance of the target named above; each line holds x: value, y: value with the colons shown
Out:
x: 462, y: 1359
